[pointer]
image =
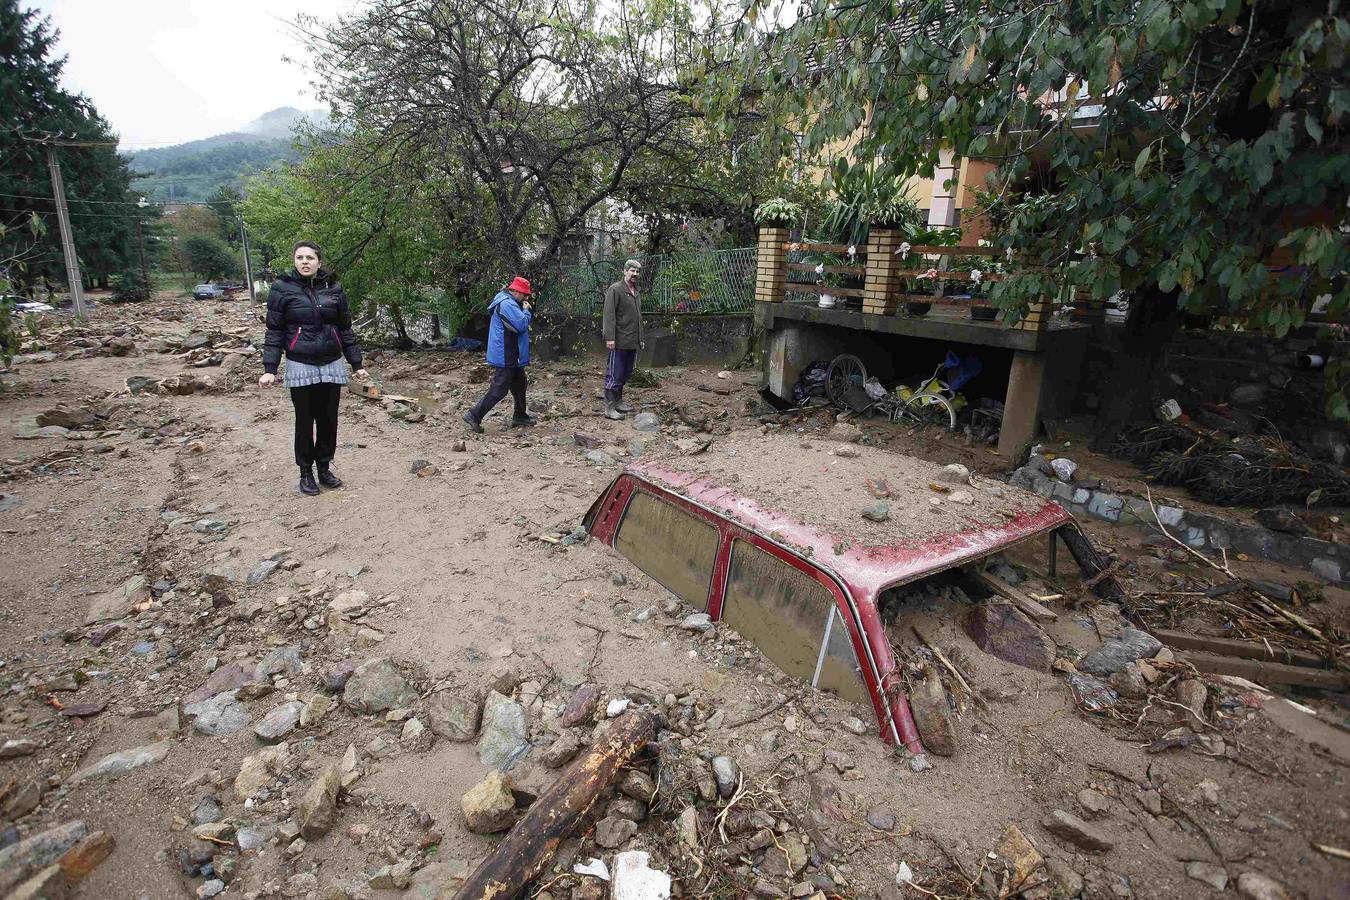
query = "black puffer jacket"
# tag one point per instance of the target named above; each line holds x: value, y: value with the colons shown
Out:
x: 308, y: 320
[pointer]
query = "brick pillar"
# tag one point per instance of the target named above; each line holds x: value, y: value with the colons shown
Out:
x: 880, y: 287
x: 771, y: 265
x: 1086, y: 310
x: 1038, y: 316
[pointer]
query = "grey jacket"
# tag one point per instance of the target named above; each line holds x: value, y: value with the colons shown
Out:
x: 622, y: 321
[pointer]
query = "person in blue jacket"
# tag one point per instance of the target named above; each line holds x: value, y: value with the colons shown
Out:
x: 508, y: 351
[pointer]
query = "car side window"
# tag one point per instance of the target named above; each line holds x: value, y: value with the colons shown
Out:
x: 793, y: 620
x: 675, y: 548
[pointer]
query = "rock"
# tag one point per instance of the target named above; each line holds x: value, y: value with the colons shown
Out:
x: 315, y: 709
x: 115, y: 764
x: 453, y: 716
x: 1064, y: 468
x: 634, y: 879
x: 1076, y: 831
x: 646, y: 422
x: 586, y: 441
x: 1129, y: 683
x: 72, y: 419
x: 954, y: 473
x: 1192, y: 694
x: 599, y: 458
x: 49, y: 884
x: 318, y: 807
x: 881, y: 819
x: 210, y: 888
x: 1070, y: 883
x: 855, y: 725
x: 561, y: 751
x: 1093, y: 802
x: 727, y: 775
x: 638, y: 785
x: 251, y: 837
x: 503, y: 738
x: 22, y: 860
x: 581, y: 707
x: 845, y: 431
x: 877, y: 512
x: 1005, y: 631
x: 1282, y: 520
x: 1212, y: 875
x: 1130, y: 645
x: 785, y: 859
x: 415, y: 734
x: 279, y: 722
x: 1026, y: 862
x: 932, y: 714
x: 701, y: 622
x: 376, y: 686
x: 336, y: 678
x: 257, y: 771
x: 85, y: 857
x: 1092, y: 693
x: 281, y: 661
x: 423, y: 468
x: 222, y: 680
x: 1256, y: 886
x: 22, y: 800
x: 13, y: 749
x: 612, y: 832
x: 687, y: 829
x: 120, y: 602
x: 46, y: 431
x: 847, y: 451
x: 626, y: 808
x: 392, y: 877
x: 221, y: 714
x: 616, y: 707
x: 213, y: 831
x: 207, y: 811
x: 261, y: 571
x: 489, y: 806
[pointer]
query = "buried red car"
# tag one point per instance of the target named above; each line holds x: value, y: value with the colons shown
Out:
x: 768, y: 536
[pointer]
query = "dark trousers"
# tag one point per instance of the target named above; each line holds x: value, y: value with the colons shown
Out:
x: 619, y: 369
x: 316, y: 414
x: 504, y: 379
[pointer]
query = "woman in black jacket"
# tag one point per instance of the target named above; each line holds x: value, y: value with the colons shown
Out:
x: 308, y: 321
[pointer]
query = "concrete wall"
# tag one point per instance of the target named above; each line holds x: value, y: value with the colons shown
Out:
x: 671, y: 340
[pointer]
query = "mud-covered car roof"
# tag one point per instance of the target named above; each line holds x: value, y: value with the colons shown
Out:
x: 804, y: 494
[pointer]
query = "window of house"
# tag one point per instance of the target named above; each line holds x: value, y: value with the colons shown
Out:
x: 792, y: 619
x: 672, y: 546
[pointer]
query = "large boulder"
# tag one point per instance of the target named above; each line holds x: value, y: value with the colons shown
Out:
x: 932, y: 714
x: 1006, y: 632
x: 503, y: 738
x: 376, y: 686
x: 1117, y: 653
x: 318, y: 807
x: 23, y: 860
x: 453, y: 716
x: 489, y: 806
x: 221, y: 714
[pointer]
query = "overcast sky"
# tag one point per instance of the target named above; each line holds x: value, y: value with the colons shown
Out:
x: 167, y: 71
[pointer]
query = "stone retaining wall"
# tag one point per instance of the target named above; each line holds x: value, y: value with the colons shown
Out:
x: 1202, y: 531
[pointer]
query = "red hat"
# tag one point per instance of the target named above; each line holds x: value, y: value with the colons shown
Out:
x: 520, y: 284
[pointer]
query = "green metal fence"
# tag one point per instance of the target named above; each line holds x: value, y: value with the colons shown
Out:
x: 715, y: 282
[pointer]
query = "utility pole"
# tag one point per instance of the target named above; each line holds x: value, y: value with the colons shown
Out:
x: 140, y: 242
x: 67, y: 241
x: 248, y: 264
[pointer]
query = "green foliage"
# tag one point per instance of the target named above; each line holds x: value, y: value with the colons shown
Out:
x: 132, y: 286
x: 1170, y: 148
x: 196, y: 171
x: 864, y: 198
x: 209, y: 257
x: 778, y: 211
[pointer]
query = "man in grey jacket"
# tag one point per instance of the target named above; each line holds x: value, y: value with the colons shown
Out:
x: 622, y: 327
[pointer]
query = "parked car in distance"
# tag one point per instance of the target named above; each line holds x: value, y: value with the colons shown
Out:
x: 206, y: 292
x: 766, y: 535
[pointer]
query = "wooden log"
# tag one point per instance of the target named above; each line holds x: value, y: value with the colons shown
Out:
x: 1018, y: 597
x: 1180, y: 640
x: 1267, y: 672
x: 1091, y: 564
x: 528, y: 849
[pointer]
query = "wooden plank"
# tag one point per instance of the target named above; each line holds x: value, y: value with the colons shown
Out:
x: 530, y: 847
x: 803, y: 288
x: 1019, y: 598
x: 958, y: 251
x: 948, y: 276
x: 1267, y: 672
x: 860, y: 249
x: 1181, y: 640
x: 843, y: 270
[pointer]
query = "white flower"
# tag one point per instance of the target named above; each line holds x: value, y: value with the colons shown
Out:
x: 904, y: 250
x: 976, y: 275
x: 852, y: 250
x: 820, y: 268
x: 931, y: 273
x: 1010, y: 254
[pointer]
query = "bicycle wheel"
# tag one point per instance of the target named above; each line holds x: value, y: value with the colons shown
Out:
x: 930, y: 409
x: 844, y: 381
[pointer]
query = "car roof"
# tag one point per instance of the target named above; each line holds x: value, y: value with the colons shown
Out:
x: 808, y: 495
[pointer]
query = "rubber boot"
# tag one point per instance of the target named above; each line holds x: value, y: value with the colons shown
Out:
x: 619, y: 404
x: 610, y: 411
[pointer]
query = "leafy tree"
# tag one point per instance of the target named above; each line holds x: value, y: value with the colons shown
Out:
x: 209, y: 257
x: 132, y: 286
x: 33, y: 106
x: 1169, y: 148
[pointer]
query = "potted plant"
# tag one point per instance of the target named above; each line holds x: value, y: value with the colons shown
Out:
x: 777, y: 213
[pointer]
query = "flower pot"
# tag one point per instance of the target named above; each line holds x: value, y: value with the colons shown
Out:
x: 826, y: 301
x: 918, y: 309
x: 984, y: 313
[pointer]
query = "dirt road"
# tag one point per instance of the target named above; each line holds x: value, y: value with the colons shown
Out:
x: 254, y: 596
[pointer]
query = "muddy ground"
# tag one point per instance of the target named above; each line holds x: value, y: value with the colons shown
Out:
x: 455, y: 574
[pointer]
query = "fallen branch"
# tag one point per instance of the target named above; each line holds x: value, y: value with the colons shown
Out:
x: 757, y: 716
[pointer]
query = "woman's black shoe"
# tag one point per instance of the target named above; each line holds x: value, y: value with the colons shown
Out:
x: 307, y: 485
x: 328, y: 479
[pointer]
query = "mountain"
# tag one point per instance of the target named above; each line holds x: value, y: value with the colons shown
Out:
x: 194, y: 170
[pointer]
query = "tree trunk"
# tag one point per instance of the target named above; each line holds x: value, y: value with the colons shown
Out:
x: 529, y: 848
x: 1152, y: 320
x: 401, y: 327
